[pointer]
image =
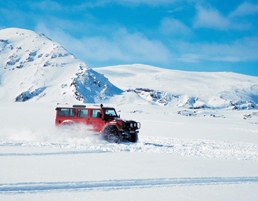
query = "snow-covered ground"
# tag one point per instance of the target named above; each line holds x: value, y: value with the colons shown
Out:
x: 177, y: 157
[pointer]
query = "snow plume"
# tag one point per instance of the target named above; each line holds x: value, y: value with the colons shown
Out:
x: 69, y: 136
x: 33, y: 68
x: 27, y: 122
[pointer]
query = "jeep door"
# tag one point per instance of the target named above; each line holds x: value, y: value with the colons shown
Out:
x: 95, y: 120
x: 82, y: 116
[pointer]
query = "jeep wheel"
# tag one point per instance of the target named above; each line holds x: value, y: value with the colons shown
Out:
x: 133, y: 137
x: 111, y: 134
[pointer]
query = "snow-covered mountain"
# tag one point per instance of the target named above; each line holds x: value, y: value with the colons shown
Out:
x: 32, y: 67
x: 192, y: 90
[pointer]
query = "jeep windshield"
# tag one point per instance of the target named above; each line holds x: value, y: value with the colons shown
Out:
x: 110, y: 112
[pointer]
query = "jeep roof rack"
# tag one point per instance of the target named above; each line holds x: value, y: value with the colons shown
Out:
x: 79, y: 106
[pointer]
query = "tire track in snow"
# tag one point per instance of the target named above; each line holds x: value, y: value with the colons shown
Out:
x: 35, y: 187
x: 51, y: 153
x: 203, y: 148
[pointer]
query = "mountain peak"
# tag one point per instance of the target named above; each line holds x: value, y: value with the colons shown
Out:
x: 33, y: 67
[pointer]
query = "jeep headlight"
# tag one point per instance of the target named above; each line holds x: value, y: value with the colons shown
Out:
x: 138, y: 125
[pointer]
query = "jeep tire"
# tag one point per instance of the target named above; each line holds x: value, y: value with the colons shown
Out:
x: 133, y: 137
x: 111, y: 134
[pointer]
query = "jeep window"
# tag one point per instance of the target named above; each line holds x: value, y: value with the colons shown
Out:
x: 110, y: 113
x: 95, y: 114
x: 65, y: 112
x: 82, y: 113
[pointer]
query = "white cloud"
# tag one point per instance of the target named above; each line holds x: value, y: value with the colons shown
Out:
x: 137, y: 2
x: 121, y: 46
x: 244, y: 49
x: 97, y: 3
x: 190, y: 58
x: 172, y: 26
x: 210, y: 18
x: 138, y: 47
x: 125, y: 47
x: 47, y: 5
x: 245, y: 9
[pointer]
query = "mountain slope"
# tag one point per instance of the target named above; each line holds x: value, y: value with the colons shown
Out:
x: 184, y: 89
x: 32, y: 67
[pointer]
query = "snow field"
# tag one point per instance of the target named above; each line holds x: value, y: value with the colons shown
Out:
x: 177, y: 157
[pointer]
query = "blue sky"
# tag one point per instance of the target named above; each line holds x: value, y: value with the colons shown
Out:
x: 212, y: 35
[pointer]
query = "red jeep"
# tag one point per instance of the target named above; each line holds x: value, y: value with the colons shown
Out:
x: 103, y: 120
